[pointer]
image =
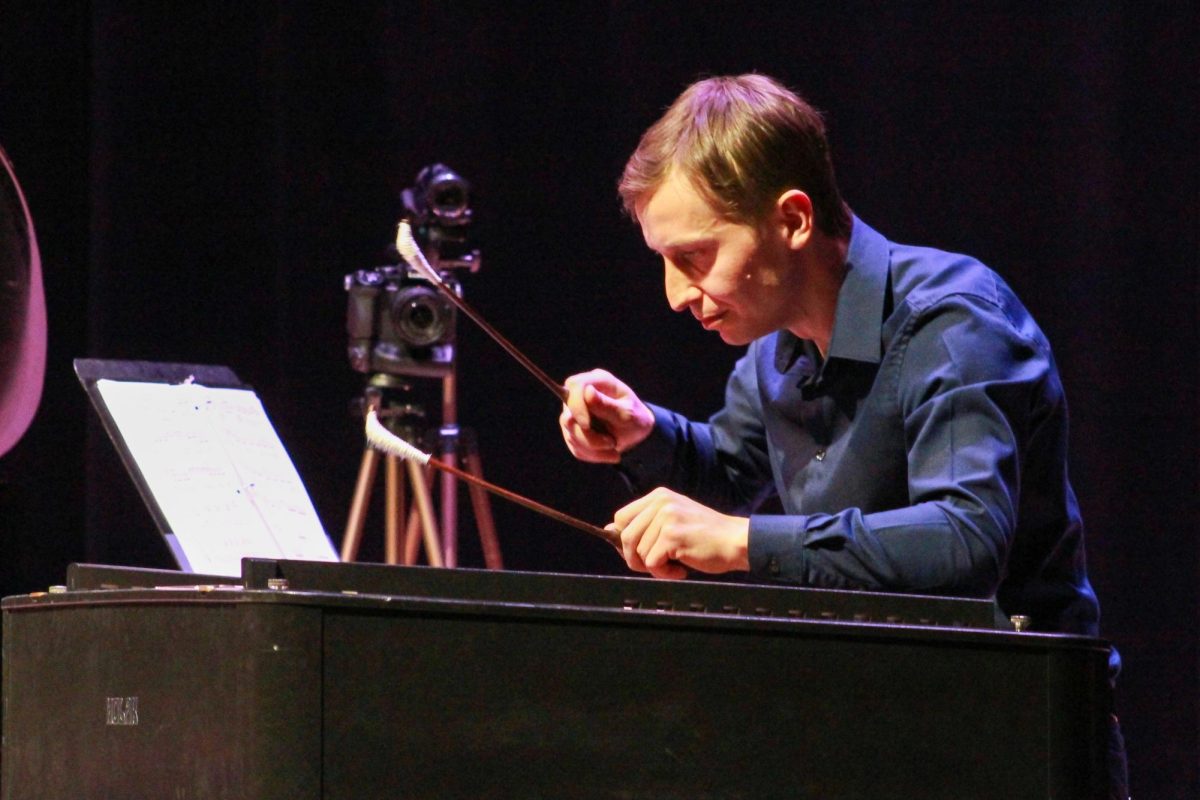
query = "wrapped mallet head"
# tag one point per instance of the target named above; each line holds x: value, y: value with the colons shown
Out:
x: 406, y: 245
x: 387, y: 442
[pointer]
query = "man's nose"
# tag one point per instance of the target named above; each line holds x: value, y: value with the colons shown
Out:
x: 681, y: 292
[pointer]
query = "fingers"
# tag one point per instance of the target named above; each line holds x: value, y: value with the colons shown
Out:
x: 602, y: 417
x: 593, y: 395
x: 605, y: 406
x: 664, y: 533
x: 575, y: 422
x: 638, y: 532
x: 647, y: 542
x: 577, y: 425
x: 584, y: 443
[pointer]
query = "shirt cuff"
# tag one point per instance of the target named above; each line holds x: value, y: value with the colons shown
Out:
x: 775, y: 547
x: 778, y: 545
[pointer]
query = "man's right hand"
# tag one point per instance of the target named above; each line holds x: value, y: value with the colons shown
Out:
x: 597, y: 396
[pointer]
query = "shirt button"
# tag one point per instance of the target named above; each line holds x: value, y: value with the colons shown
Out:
x: 773, y: 565
x: 820, y: 456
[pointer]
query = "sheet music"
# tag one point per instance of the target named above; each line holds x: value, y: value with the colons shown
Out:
x: 218, y: 472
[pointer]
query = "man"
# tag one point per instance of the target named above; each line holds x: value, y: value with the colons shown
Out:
x: 900, y: 402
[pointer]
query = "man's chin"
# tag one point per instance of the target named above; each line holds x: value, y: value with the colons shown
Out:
x: 734, y: 338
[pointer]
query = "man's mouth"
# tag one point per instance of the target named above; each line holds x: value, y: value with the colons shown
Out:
x: 711, y: 321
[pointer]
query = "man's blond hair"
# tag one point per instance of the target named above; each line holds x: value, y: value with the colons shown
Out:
x: 741, y: 141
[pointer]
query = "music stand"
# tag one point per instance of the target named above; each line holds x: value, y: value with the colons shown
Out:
x: 205, y: 459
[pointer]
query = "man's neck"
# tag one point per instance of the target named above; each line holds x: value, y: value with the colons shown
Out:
x: 821, y: 272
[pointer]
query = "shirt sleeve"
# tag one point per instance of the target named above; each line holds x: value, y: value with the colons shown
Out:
x: 970, y: 387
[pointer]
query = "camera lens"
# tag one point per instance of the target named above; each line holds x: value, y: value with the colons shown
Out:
x: 421, y: 316
x: 439, y: 194
x: 448, y: 197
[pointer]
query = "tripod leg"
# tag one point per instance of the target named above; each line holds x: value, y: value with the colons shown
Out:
x: 414, y: 529
x: 412, y: 537
x: 482, y: 505
x: 449, y: 495
x: 394, y: 510
x: 425, y: 508
x: 358, y: 505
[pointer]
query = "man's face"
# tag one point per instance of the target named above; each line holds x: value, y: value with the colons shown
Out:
x: 729, y: 275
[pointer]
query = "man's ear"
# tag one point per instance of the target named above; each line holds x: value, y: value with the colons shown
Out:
x: 794, y: 211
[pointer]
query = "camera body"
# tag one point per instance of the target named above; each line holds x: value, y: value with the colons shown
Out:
x: 397, y: 322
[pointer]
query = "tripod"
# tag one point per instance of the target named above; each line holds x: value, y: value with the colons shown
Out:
x: 404, y: 419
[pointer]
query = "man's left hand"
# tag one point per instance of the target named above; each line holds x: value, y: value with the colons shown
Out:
x: 665, y: 532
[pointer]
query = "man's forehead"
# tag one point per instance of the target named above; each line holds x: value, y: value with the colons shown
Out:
x: 675, y: 213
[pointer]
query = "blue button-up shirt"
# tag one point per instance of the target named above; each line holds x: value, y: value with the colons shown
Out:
x: 926, y: 453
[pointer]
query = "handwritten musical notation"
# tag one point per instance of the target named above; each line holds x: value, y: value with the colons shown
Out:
x: 218, y: 472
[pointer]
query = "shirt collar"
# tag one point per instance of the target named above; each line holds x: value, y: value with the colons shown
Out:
x: 858, y: 321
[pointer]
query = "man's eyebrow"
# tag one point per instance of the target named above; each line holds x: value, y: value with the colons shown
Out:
x: 685, y: 244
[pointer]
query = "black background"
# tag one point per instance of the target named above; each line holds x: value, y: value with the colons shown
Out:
x: 202, y: 176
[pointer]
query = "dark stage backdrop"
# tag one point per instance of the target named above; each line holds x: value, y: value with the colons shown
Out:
x: 203, y: 175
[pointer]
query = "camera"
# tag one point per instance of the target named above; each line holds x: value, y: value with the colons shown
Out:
x: 438, y: 207
x: 397, y: 322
